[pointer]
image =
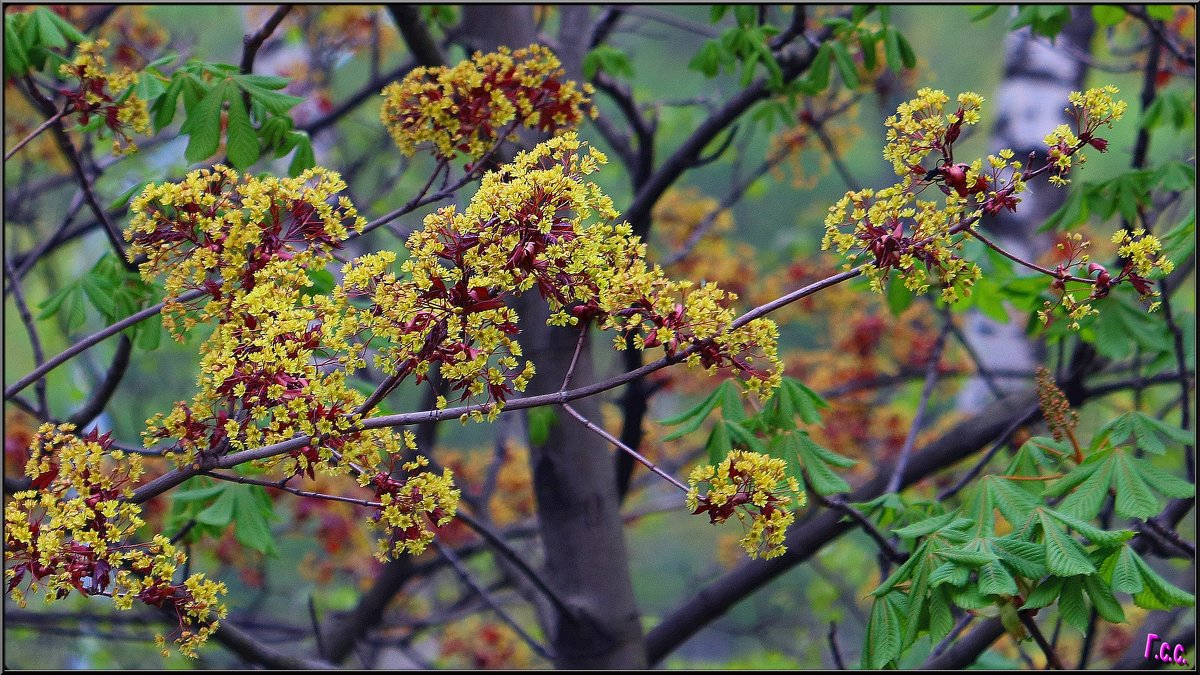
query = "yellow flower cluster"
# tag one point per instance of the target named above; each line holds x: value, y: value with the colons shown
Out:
x: 921, y: 127
x: 219, y: 232
x: 1090, y: 110
x: 748, y: 485
x: 71, y: 533
x: 409, y: 505
x: 1144, y: 252
x: 530, y: 227
x: 893, y: 229
x: 470, y: 107
x: 277, y: 361
x: 106, y: 94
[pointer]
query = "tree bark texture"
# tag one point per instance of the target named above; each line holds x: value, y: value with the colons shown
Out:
x: 577, y: 503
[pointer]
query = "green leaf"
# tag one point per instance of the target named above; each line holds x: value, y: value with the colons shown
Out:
x: 818, y: 70
x: 1071, y: 606
x: 902, y: 573
x: 1013, y: 502
x: 899, y: 298
x: 1121, y: 571
x: 263, y: 81
x: 220, y: 513
x: 972, y: 558
x: 164, y: 106
x: 718, y: 444
x: 75, y: 311
x: 950, y: 573
x: 994, y: 579
x: 321, y: 282
x: 1024, y: 557
x: 149, y: 87
x: 47, y: 30
x: 1134, y: 498
x: 1087, y: 499
x: 1102, y: 599
x: 984, y: 13
x: 882, y: 642
x: 740, y: 436
x: 1064, y: 556
x: 66, y: 28
x: 821, y: 477
x: 273, y: 101
x: 891, y: 49
x: 1161, y: 12
x: 925, y: 526
x: 203, y: 124
x: 100, y: 296
x: 149, y: 336
x: 916, y: 613
x: 1073, y: 212
x: 242, y: 146
x: 253, y: 513
x: 969, y: 597
x: 693, y: 417
x: 1044, y: 595
x: 1180, y: 242
x: 806, y: 401
x: 1108, y: 15
x: 941, y: 620
x: 708, y: 59
x: 16, y: 61
x: 608, y: 59
x: 1159, y: 593
x: 52, y: 304
x: 540, y: 420
x: 197, y: 493
x: 303, y: 158
x: 845, y: 65
x: 907, y: 56
x: 1091, y: 532
x: 1163, y: 482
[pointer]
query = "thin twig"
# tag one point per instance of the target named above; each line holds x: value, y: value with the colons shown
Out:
x: 931, y: 374
x: 583, y: 329
x: 496, y: 542
x: 68, y: 149
x: 35, y: 343
x: 1051, y: 656
x: 34, y: 134
x: 281, y: 485
x: 91, y: 340
x: 465, y: 576
x: 1004, y: 439
x: 252, y: 42
x: 885, y: 547
x: 625, y: 448
x: 833, y: 646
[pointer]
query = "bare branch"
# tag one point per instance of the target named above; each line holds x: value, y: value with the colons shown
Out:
x: 252, y: 42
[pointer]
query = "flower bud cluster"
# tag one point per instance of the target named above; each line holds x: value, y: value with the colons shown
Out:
x: 106, y: 94
x: 74, y: 531
x: 468, y: 108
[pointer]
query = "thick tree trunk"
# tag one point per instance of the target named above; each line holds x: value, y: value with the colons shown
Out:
x: 1030, y: 101
x: 578, y: 508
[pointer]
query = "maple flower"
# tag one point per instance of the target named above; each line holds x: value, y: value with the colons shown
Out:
x: 748, y: 485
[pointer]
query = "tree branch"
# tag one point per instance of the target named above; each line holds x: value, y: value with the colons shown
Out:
x: 408, y: 20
